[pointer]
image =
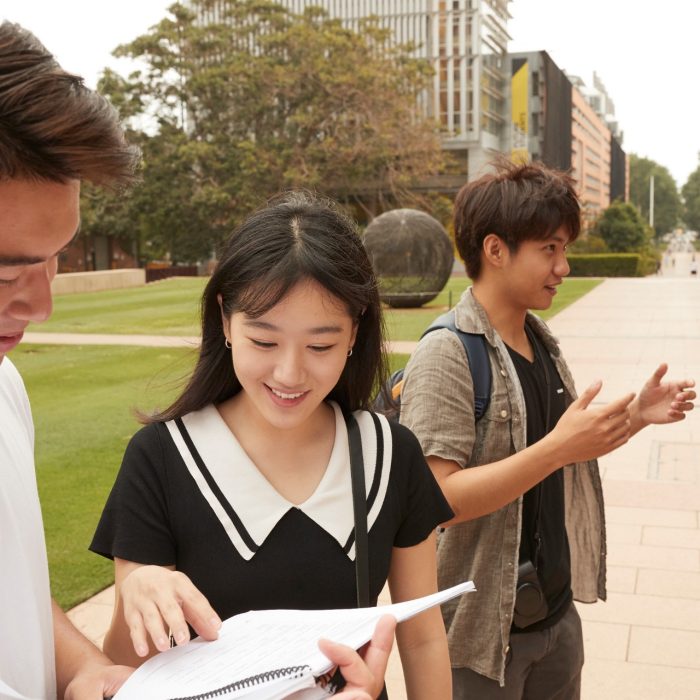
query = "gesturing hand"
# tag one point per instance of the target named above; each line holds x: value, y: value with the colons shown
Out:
x: 156, y: 599
x: 586, y: 433
x: 659, y: 403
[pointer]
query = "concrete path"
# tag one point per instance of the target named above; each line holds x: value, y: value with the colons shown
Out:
x: 160, y: 341
x: 677, y: 264
x: 644, y: 642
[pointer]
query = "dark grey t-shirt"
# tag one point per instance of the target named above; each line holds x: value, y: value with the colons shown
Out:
x: 551, y: 558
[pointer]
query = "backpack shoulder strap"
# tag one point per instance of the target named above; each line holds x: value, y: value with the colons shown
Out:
x: 477, y: 357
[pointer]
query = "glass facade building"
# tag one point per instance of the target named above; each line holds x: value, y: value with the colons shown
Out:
x: 465, y: 42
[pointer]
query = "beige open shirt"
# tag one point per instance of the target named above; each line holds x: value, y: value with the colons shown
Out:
x: 437, y: 404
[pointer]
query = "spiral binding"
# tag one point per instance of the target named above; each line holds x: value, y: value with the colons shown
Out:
x: 289, y: 672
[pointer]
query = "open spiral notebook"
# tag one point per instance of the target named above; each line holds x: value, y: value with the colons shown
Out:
x: 265, y: 655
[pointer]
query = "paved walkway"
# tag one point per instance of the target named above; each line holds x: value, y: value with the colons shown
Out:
x: 159, y: 341
x: 644, y: 642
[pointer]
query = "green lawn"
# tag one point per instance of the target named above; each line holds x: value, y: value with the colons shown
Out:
x: 82, y: 399
x: 83, y: 396
x: 408, y: 324
x: 170, y: 307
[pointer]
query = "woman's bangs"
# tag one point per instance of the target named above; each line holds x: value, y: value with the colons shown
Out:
x: 262, y: 295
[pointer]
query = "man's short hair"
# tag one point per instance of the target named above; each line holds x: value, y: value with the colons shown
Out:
x: 52, y: 127
x: 517, y: 202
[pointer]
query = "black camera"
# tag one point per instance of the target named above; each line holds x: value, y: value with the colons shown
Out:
x: 530, y: 603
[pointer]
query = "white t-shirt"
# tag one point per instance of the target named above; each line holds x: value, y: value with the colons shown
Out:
x: 26, y: 623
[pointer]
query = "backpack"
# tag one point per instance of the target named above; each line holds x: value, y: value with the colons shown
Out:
x: 477, y: 358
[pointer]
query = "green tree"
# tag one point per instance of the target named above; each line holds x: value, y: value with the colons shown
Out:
x: 623, y: 229
x: 667, y: 202
x: 691, y: 200
x: 265, y: 100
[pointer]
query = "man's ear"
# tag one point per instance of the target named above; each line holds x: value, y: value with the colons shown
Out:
x: 495, y: 250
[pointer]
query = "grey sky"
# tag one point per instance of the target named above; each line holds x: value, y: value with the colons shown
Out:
x: 644, y: 52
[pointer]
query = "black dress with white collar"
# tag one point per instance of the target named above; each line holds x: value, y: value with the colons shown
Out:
x: 188, y: 495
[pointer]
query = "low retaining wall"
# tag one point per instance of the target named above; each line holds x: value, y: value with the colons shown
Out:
x: 155, y: 274
x: 70, y: 282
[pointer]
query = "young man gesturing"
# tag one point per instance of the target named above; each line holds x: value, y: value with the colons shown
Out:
x: 530, y: 555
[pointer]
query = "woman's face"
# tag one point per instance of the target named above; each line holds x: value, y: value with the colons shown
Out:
x: 290, y: 358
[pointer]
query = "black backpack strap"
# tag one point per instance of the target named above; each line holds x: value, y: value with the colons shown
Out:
x: 477, y: 357
x: 388, y: 399
x: 359, y: 506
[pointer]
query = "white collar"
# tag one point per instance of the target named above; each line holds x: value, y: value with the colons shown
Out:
x: 245, y: 503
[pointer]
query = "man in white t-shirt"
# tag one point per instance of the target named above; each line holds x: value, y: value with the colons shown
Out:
x: 54, y: 133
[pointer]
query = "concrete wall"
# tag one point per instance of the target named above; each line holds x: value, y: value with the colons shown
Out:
x: 71, y: 282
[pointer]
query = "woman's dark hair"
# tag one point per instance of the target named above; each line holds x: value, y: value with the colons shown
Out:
x: 296, y: 237
x: 517, y: 202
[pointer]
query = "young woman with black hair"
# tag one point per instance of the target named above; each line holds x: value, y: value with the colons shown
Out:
x: 239, y: 495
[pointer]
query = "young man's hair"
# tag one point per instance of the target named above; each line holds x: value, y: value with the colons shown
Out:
x: 517, y: 202
x: 52, y: 127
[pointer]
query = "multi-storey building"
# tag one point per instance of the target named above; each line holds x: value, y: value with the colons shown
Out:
x: 487, y: 101
x: 557, y: 119
x: 598, y: 98
x: 540, y: 98
x: 465, y: 41
x: 590, y: 155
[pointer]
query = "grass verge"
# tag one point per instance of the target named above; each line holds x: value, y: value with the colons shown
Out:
x: 171, y: 307
x: 408, y: 324
x: 82, y: 399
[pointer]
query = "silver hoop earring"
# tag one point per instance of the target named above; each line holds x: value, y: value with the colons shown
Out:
x: 227, y: 344
x: 350, y: 352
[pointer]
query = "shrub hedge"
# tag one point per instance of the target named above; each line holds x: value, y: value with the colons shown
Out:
x: 605, y: 265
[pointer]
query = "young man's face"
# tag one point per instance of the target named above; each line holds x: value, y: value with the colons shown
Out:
x: 535, y: 269
x: 37, y: 221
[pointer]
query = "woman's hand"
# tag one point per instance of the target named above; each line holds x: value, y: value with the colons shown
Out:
x: 364, y: 674
x: 159, y: 602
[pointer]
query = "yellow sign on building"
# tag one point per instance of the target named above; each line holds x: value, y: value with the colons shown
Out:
x: 519, y: 110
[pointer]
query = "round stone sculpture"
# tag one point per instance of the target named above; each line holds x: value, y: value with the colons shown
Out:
x: 412, y: 256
